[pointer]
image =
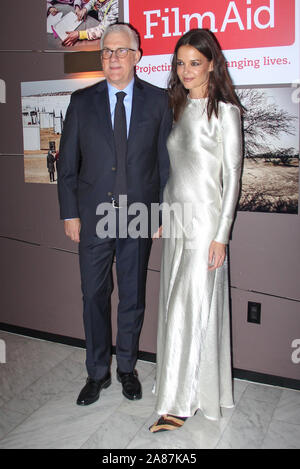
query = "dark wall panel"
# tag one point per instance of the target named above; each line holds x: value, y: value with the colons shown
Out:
x: 23, y: 26
x: 19, y: 203
x: 40, y: 288
x: 29, y: 211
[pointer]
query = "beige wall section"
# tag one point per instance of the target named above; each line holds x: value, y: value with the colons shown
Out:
x: 265, y: 348
x: 40, y: 288
x: 264, y: 254
x: 40, y: 284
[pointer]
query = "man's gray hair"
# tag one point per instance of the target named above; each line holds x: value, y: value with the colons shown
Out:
x: 122, y: 28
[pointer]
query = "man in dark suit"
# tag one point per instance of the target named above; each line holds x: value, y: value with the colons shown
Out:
x: 113, y: 145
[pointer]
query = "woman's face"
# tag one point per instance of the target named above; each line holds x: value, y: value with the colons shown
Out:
x: 193, y: 70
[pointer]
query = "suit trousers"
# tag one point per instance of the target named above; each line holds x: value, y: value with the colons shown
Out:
x: 96, y: 260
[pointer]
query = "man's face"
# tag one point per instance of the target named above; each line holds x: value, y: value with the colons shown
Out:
x: 119, y: 71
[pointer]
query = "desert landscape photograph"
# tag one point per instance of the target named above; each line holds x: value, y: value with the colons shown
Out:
x: 270, y: 177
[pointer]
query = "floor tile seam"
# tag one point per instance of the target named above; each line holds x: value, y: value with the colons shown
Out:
x: 285, y: 421
x: 43, y: 374
x: 266, y: 401
x: 74, y: 378
x: 29, y: 416
x: 19, y: 423
x: 139, y: 429
x: 18, y: 395
x: 251, y: 398
x: 225, y: 427
x: 267, y: 431
x: 236, y: 408
x: 26, y: 416
x: 5, y: 401
x: 48, y: 371
x: 37, y: 379
x: 11, y: 410
x: 101, y: 424
x: 147, y: 375
x: 230, y: 418
x: 16, y: 426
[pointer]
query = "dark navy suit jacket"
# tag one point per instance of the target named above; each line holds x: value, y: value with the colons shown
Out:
x: 87, y: 158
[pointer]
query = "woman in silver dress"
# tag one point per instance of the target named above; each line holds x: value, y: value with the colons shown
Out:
x: 205, y: 148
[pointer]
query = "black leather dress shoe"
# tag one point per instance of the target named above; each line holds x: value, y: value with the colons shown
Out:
x: 91, y: 391
x: 132, y: 388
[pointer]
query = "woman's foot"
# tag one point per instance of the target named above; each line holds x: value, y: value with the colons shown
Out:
x: 167, y: 422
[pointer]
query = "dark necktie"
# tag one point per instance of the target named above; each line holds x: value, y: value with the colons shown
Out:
x: 120, y: 136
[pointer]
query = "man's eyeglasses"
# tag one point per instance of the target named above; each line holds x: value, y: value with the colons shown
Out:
x: 121, y: 52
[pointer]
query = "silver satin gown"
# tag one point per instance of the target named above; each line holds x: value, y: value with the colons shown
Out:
x: 193, y: 345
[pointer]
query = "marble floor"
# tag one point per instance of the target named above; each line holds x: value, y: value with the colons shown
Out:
x: 40, y: 382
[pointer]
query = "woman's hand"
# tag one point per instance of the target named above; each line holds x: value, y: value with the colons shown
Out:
x: 216, y: 255
x: 158, y: 234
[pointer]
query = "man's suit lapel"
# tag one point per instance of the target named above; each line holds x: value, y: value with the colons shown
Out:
x: 102, y: 107
x: 136, y: 113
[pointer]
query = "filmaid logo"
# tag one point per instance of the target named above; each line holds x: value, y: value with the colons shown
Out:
x: 237, y: 24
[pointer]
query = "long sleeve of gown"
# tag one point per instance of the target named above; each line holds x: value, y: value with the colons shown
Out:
x: 231, y: 168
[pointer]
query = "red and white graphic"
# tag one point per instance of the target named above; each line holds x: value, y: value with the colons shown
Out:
x: 261, y: 36
x: 237, y: 24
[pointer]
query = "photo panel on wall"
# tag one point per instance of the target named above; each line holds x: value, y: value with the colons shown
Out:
x: 78, y: 24
x: 44, y: 107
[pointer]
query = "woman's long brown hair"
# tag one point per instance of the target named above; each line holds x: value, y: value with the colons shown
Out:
x: 220, y: 87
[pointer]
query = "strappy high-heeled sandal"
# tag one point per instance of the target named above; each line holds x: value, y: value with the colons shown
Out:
x: 167, y: 422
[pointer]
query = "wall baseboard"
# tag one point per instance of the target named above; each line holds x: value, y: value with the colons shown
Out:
x: 263, y: 378
x: 246, y: 375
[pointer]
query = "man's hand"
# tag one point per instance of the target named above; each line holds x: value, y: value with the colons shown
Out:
x: 72, y: 229
x: 216, y: 256
x: 73, y: 37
